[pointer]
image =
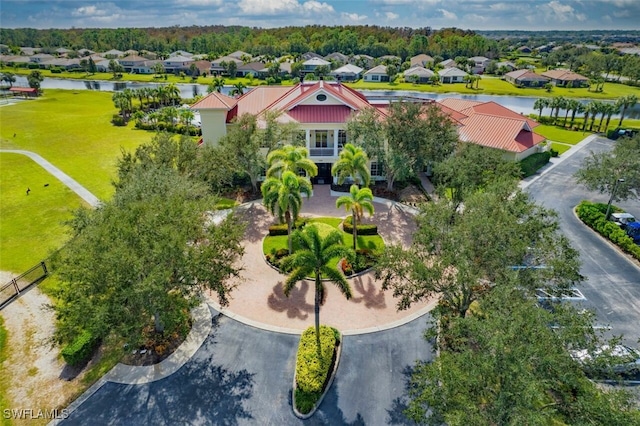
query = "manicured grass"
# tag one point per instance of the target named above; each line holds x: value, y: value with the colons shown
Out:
x: 3, y: 377
x: 225, y: 203
x: 72, y: 130
x: 32, y: 225
x: 558, y: 134
x: 560, y: 147
x: 495, y: 86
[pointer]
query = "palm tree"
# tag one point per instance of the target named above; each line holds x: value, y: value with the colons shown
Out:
x: 283, y: 197
x: 579, y: 109
x: 292, y: 158
x: 9, y: 77
x: 557, y: 103
x: 352, y: 163
x: 357, y: 201
x: 238, y: 89
x: 625, y: 102
x: 588, y: 109
x: 571, y: 105
x: 312, y: 259
x: 173, y: 92
x: 596, y: 108
x: 186, y: 116
x: 216, y: 85
x: 609, y: 110
x: 169, y: 114
x: 540, y: 104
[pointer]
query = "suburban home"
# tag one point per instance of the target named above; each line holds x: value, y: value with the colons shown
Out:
x: 129, y: 52
x: 146, y: 67
x: 422, y: 60
x: 337, y: 57
x: 525, y: 78
x: 85, y: 52
x: 216, y: 65
x: 390, y: 59
x: 131, y: 61
x: 493, y: 126
x: 310, y: 65
x: 310, y: 55
x: 377, y: 74
x: 418, y: 74
x: 448, y: 63
x: 177, y: 64
x: 524, y: 49
x: 347, y: 72
x: 29, y: 51
x: 239, y: 54
x: 13, y: 59
x: 61, y: 51
x: 545, y: 48
x: 452, y: 75
x: 102, y: 66
x: 561, y: 77
x: 256, y: 69
x: 480, y: 63
x: 363, y: 61
x: 181, y: 53
x: 40, y: 57
x: 321, y: 110
x: 64, y: 63
x: 508, y: 65
x: 113, y: 53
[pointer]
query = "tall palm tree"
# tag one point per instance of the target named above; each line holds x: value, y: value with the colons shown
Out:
x: 292, y: 158
x: 579, y: 109
x: 216, y: 85
x: 596, y: 108
x: 312, y: 259
x: 283, y: 197
x: 609, y: 110
x: 186, y: 115
x: 588, y: 110
x: 540, y: 104
x: 357, y: 202
x: 570, y: 106
x: 625, y: 102
x: 238, y: 89
x: 353, y: 164
x: 173, y: 93
x: 557, y: 103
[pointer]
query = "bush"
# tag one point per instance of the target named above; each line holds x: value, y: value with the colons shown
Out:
x: 282, y: 228
x: 312, y: 374
x: 365, y: 259
x: 532, y: 163
x: 553, y: 152
x: 56, y: 71
x: 118, y: 120
x: 80, y: 349
x: 593, y: 215
x: 363, y: 228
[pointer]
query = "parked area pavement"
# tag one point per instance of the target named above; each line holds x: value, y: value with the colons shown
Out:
x: 259, y: 300
x: 243, y: 376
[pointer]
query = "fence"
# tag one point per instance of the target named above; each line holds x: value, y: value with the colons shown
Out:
x: 13, y: 288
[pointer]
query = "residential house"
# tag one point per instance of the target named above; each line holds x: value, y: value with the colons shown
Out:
x: 216, y: 65
x: 525, y: 78
x: 418, y: 74
x: 337, y: 57
x: 363, y: 61
x: 64, y: 63
x: 202, y: 65
x: 29, y: 51
x: 480, y: 63
x: 177, y: 64
x: 422, y: 60
x: 389, y: 59
x: 131, y: 61
x: 181, y: 53
x: 448, y: 63
x: 129, y: 52
x: 239, y: 54
x: 113, y: 53
x: 508, y: 65
x: 491, y: 125
x: 561, y: 77
x: 40, y: 57
x: 310, y: 65
x: 545, y: 48
x: 14, y: 59
x: 85, y: 52
x: 310, y: 55
x: 148, y: 66
x: 452, y: 75
x: 61, y: 51
x: 347, y: 72
x: 377, y: 74
x: 524, y: 49
x: 256, y: 69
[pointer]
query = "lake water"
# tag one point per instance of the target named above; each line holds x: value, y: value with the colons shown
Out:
x: 520, y: 104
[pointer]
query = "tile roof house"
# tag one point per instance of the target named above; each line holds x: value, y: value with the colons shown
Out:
x: 363, y: 61
x: 176, y: 64
x: 255, y: 69
x: 131, y: 61
x: 452, y: 75
x: 448, y: 63
x: 525, y: 78
x: 347, y: 72
x: 310, y: 65
x: 377, y: 74
x: 561, y: 77
x: 216, y: 65
x: 322, y: 109
x: 422, y: 60
x: 418, y: 74
x: 113, y: 53
x: 337, y: 57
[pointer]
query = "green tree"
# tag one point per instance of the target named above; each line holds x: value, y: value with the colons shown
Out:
x: 186, y: 115
x: 238, y: 89
x: 115, y: 68
x: 35, y: 79
x: 291, y: 158
x: 282, y: 196
x: 92, y: 66
x: 540, y: 104
x: 358, y: 201
x: 311, y: 259
x: 601, y: 170
x: 158, y: 69
x: 625, y: 102
x: 9, y: 77
x: 216, y: 85
x: 242, y: 146
x: 353, y: 163
x: 142, y: 259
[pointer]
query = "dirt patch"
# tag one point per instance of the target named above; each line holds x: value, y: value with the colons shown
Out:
x: 33, y: 369
x: 156, y: 350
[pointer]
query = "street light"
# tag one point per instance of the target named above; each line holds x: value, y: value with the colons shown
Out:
x: 613, y: 193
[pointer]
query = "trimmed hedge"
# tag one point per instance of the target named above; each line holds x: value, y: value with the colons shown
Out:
x: 534, y: 162
x: 592, y: 215
x: 363, y: 229
x: 311, y: 374
x: 282, y: 228
x: 80, y: 349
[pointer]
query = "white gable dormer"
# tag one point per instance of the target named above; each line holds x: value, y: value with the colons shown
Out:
x: 321, y: 97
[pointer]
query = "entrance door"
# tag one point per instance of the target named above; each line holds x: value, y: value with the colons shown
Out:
x: 324, y: 174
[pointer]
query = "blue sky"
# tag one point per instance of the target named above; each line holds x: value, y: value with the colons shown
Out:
x: 467, y: 14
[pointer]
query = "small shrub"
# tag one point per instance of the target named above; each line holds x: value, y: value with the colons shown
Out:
x: 363, y: 228
x: 311, y: 373
x: 553, y: 152
x: 365, y: 259
x: 80, y: 349
x: 56, y: 71
x: 282, y: 228
x: 534, y: 162
x: 118, y: 120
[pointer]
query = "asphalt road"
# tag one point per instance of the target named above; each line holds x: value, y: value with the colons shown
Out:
x: 243, y: 376
x: 612, y: 287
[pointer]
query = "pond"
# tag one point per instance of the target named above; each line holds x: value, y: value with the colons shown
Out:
x: 521, y: 104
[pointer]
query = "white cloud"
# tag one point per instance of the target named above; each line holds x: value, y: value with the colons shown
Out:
x: 391, y: 16
x: 317, y: 7
x: 559, y: 8
x: 283, y: 7
x: 353, y: 17
x: 200, y: 2
x: 88, y: 11
x: 472, y: 18
x: 447, y: 14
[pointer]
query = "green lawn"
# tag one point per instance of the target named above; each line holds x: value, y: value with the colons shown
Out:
x: 72, y: 130
x: 3, y: 377
x: 560, y: 147
x: 32, y: 225
x: 558, y: 134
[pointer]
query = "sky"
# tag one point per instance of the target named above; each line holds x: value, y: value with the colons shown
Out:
x: 465, y: 14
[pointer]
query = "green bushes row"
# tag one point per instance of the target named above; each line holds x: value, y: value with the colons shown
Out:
x: 363, y: 228
x: 311, y: 373
x: 118, y: 120
x: 80, y: 349
x: 532, y: 163
x: 282, y: 228
x: 173, y: 128
x: 593, y: 215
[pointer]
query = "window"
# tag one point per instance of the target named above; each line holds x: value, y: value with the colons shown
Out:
x: 321, y: 97
x: 322, y: 136
x: 342, y: 138
x: 375, y: 77
x: 376, y: 169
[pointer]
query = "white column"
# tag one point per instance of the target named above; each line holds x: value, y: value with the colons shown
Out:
x: 335, y: 143
x: 308, y: 139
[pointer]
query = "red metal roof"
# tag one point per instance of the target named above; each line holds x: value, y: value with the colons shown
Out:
x: 23, y: 89
x: 458, y: 104
x: 320, y: 113
x: 215, y: 100
x: 492, y: 108
x: 258, y: 99
x: 505, y: 133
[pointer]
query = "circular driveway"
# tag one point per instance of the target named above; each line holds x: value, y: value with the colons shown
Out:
x: 258, y: 300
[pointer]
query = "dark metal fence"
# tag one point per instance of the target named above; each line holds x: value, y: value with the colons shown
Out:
x: 11, y: 290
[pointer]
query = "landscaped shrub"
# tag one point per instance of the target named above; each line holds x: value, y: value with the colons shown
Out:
x: 532, y: 163
x: 553, y: 152
x: 282, y: 228
x: 56, y: 71
x: 118, y: 120
x: 363, y: 228
x: 593, y: 215
x: 80, y: 349
x: 311, y: 373
x: 365, y: 259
